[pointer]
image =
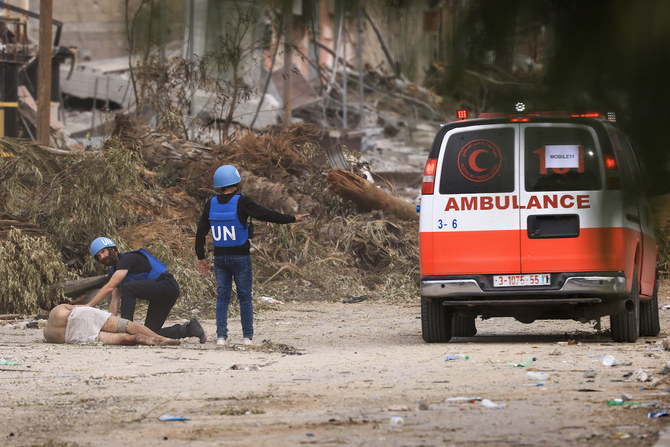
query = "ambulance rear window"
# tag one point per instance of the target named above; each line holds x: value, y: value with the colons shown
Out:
x: 478, y: 161
x: 560, y: 158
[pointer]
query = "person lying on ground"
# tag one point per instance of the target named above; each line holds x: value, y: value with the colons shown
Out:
x: 138, y: 275
x: 84, y: 324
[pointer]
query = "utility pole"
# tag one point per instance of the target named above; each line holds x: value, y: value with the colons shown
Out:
x: 44, y: 73
x: 288, y: 63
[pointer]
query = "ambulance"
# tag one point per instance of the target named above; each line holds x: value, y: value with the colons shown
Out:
x: 536, y: 216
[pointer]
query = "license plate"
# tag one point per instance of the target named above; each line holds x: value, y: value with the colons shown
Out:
x: 538, y: 279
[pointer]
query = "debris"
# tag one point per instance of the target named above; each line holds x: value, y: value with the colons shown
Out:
x: 640, y: 375
x: 396, y: 421
x: 457, y: 357
x: 659, y: 414
x: 271, y: 300
x: 8, y: 362
x: 608, y: 360
x: 590, y: 374
x: 462, y: 399
x: 169, y: 417
x: 526, y: 362
x: 398, y: 408
x: 367, y: 196
x: 489, y: 404
x: 620, y: 402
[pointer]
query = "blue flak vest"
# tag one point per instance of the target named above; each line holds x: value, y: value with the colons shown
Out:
x: 157, y: 268
x: 227, y: 230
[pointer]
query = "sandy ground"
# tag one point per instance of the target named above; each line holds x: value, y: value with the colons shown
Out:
x: 335, y: 374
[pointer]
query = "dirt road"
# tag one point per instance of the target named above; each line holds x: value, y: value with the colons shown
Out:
x: 335, y: 374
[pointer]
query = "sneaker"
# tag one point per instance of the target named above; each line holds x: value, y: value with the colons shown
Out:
x: 221, y: 342
x: 193, y: 329
x: 248, y: 341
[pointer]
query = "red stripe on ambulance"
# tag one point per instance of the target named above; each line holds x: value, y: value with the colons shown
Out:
x: 503, y: 202
x: 511, y: 252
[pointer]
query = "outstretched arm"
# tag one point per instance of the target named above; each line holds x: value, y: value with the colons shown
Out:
x: 112, y: 284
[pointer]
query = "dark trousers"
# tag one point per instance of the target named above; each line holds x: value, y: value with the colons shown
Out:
x: 162, y: 295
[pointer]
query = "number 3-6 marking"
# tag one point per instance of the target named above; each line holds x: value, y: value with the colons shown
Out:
x: 441, y: 225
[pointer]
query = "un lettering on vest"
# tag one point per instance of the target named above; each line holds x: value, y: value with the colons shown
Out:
x: 503, y: 202
x: 225, y: 233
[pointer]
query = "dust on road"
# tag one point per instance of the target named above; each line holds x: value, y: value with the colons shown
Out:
x: 335, y: 374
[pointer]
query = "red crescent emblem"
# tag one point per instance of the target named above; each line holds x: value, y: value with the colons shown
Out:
x: 479, y: 160
x: 472, y: 160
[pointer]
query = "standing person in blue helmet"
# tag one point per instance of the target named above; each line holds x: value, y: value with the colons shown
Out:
x: 226, y: 214
x: 139, y: 275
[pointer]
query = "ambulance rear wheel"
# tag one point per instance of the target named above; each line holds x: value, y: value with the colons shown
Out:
x: 435, y: 321
x: 649, y: 324
x: 626, y: 327
x: 463, y: 326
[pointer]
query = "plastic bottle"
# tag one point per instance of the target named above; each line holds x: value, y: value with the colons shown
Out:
x: 457, y: 357
x: 396, y: 421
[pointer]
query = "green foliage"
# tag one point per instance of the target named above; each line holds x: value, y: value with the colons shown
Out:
x: 74, y: 198
x: 29, y: 266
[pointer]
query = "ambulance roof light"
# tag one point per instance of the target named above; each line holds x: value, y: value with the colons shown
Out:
x: 520, y: 107
x: 462, y: 114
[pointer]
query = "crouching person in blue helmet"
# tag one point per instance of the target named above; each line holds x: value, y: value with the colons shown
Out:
x: 226, y: 214
x: 139, y: 275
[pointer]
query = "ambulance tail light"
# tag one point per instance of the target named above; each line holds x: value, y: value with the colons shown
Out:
x: 428, y: 185
x: 612, y: 172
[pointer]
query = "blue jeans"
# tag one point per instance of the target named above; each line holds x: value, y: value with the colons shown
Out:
x: 227, y: 269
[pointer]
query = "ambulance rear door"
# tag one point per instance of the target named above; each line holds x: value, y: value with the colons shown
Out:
x: 472, y: 224
x: 568, y: 220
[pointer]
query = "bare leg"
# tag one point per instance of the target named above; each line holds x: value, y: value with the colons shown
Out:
x: 142, y: 334
x: 137, y: 339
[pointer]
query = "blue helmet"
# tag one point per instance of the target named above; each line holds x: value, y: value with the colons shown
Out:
x: 226, y: 175
x: 100, y: 243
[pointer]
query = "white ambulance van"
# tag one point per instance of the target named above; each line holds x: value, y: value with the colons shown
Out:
x: 535, y: 216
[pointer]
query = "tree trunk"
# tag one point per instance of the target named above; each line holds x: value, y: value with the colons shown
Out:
x: 367, y: 196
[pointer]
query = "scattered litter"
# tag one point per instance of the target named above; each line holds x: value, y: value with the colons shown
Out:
x: 169, y: 417
x: 608, y: 360
x: 537, y: 375
x: 398, y: 408
x: 536, y: 384
x: 457, y: 357
x: 640, y: 375
x: 590, y: 374
x: 271, y: 300
x: 527, y: 362
x: 654, y: 349
x: 396, y: 421
x: 8, y: 362
x: 626, y: 396
x: 666, y: 307
x: 658, y: 414
x: 556, y: 351
x: 462, y: 399
x: 620, y: 402
x: 489, y: 404
x: 619, y: 435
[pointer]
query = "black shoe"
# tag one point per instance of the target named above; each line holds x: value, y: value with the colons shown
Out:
x: 193, y: 329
